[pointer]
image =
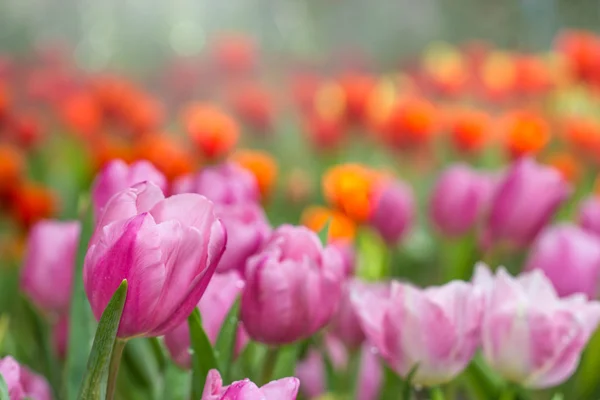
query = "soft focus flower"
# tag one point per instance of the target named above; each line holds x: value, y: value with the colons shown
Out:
x: 393, y: 209
x: 533, y: 76
x: 524, y: 201
x: 12, y: 168
x: 583, y: 133
x: 247, y: 229
x: 226, y: 183
x: 234, y: 53
x: 81, y: 113
x: 529, y: 335
x: 445, y: 69
x: 255, y: 106
x: 25, y: 128
x: 216, y: 302
x: 345, y: 324
x: 589, y: 215
x: 168, y: 155
x: 356, y: 88
x: 293, y: 286
x: 47, y: 274
x: 469, y: 129
x: 341, y: 228
x: 437, y: 328
x: 106, y: 148
x: 567, y: 164
x: 282, y: 389
x: 22, y: 383
x: 526, y: 133
x: 570, y: 258
x: 167, y: 249
x: 262, y: 165
x: 32, y: 202
x: 213, y: 131
x: 412, y: 122
x: 582, y: 51
x: 117, y: 175
x: 459, y: 199
x: 497, y: 75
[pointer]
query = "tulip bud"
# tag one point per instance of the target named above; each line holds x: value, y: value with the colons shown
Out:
x: 293, y: 286
x: 117, y: 176
x: 282, y: 389
x: 570, y: 258
x: 459, y: 199
x: 589, y: 215
x: 47, y: 275
x: 524, y: 201
x: 393, y: 208
x: 345, y: 324
x: 529, y: 335
x: 22, y: 383
x: 223, y: 184
x: 167, y: 249
x: 216, y: 302
x: 436, y: 329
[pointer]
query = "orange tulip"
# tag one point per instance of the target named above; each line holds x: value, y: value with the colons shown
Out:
x: 254, y: 104
x: 340, y: 226
x: 25, y: 129
x: 356, y: 88
x: 214, y: 132
x: 12, y: 168
x: 582, y: 51
x: 583, y: 133
x: 105, y: 148
x: 497, y: 74
x: 32, y: 202
x: 567, y: 164
x: 234, y: 53
x: 166, y: 153
x: 81, y: 113
x: 525, y: 132
x: 412, y: 122
x: 469, y: 129
x: 533, y: 76
x: 262, y: 165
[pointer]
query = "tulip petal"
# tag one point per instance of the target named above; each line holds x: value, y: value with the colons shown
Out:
x: 286, y: 388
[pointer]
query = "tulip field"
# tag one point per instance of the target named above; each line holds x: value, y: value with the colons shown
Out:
x: 239, y: 221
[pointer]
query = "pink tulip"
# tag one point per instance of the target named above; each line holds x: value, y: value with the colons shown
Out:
x: 345, y: 324
x: 117, y: 175
x: 348, y: 256
x: 293, y: 286
x: 570, y: 258
x: 589, y: 215
x: 60, y: 336
x: 393, y: 209
x: 218, y: 299
x: 22, y: 383
x: 459, y: 199
x: 282, y: 389
x: 47, y: 275
x: 436, y: 329
x: 247, y: 229
x: 166, y: 248
x: 524, y: 202
x: 223, y: 184
x: 529, y: 335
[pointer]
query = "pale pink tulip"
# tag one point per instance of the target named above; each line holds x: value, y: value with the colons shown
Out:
x: 282, y: 389
x: 22, y: 383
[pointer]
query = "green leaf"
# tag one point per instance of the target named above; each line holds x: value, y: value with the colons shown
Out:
x: 324, y: 232
x: 482, y: 383
x: 203, y: 357
x: 407, y: 385
x: 176, y: 385
x: 286, y: 361
x: 225, y: 345
x: 392, y: 384
x: 3, y: 389
x: 102, y: 348
x: 140, y: 359
x: 373, y: 256
x: 81, y: 319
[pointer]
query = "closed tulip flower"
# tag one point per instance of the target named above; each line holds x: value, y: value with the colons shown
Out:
x: 530, y: 336
x: 524, y: 202
x: 345, y: 324
x: 293, y: 286
x: 435, y: 329
x: 117, y: 175
x: 393, y: 209
x: 589, y: 215
x: 166, y: 248
x: 47, y: 274
x: 22, y: 383
x: 459, y: 199
x: 570, y: 258
x: 227, y: 183
x: 216, y: 302
x: 282, y: 389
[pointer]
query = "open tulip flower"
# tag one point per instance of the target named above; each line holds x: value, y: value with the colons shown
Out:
x: 282, y: 389
x: 22, y: 383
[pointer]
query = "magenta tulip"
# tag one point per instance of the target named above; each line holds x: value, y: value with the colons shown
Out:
x: 293, y: 286
x: 589, y: 215
x: 529, y: 335
x: 218, y: 299
x: 524, y: 202
x: 247, y: 229
x: 570, y: 258
x: 393, y: 209
x: 166, y: 248
x: 47, y: 275
x: 436, y: 329
x: 223, y: 184
x: 117, y: 175
x: 345, y: 324
x: 282, y: 389
x: 22, y: 383
x: 459, y: 199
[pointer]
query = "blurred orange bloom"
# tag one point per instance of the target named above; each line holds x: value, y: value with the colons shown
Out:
x: 234, y: 53
x: 304, y: 88
x: 340, y: 226
x: 105, y: 148
x: 533, y: 76
x: 262, y: 165
x: 498, y: 75
x: 356, y: 88
x: 567, y: 164
x: 445, y: 69
x: 143, y: 114
x: 254, y: 104
x: 582, y: 51
x: 166, y: 153
x: 470, y: 129
x: 26, y: 129
x: 412, y: 122
x: 324, y: 133
x: 32, y: 202
x: 526, y: 132
x: 5, y: 100
x: 12, y: 168
x: 81, y: 113
x: 213, y: 131
x: 583, y: 133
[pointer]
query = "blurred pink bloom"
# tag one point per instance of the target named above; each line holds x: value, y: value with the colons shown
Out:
x: 214, y: 305
x: 345, y: 324
x: 393, y: 209
x: 589, y: 215
x: 529, y: 335
x: 166, y: 248
x: 437, y: 328
x: 47, y: 275
x: 524, y: 202
x: 282, y: 389
x: 293, y: 287
x: 22, y: 383
x: 346, y: 249
x: 117, y: 175
x: 570, y: 258
x: 459, y: 199
x: 227, y: 183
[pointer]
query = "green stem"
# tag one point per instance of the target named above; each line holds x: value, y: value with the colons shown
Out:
x: 508, y: 394
x: 436, y: 393
x: 113, y: 369
x: 269, y: 364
